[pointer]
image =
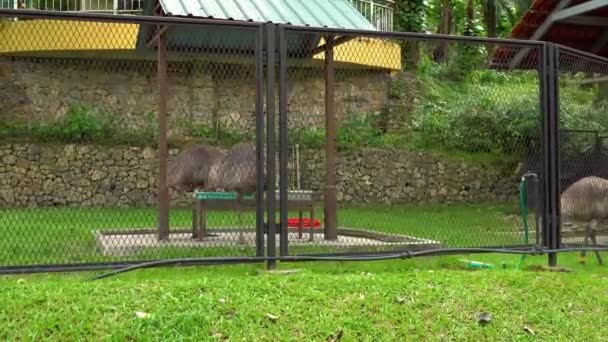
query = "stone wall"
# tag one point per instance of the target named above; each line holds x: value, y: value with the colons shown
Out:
x: 59, y: 175
x: 390, y: 176
x: 42, y: 89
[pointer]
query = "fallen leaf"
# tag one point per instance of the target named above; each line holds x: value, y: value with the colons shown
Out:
x: 222, y: 300
x: 272, y: 317
x: 484, y: 317
x: 220, y: 336
x: 361, y: 296
x: 529, y: 330
x: 401, y: 300
x: 142, y: 314
x: 336, y: 338
x: 20, y: 281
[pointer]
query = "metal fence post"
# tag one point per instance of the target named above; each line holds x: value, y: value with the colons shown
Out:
x: 271, y: 155
x: 331, y: 150
x: 283, y: 141
x: 259, y: 131
x: 550, y: 91
x: 163, y: 152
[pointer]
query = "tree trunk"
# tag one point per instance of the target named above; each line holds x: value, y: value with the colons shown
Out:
x: 468, y: 30
x: 409, y: 17
x: 490, y: 19
x: 445, y: 27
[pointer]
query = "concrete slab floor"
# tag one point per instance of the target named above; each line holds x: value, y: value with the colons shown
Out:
x: 121, y: 243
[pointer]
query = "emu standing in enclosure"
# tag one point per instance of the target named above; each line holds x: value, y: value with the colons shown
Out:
x: 586, y: 200
x: 212, y: 169
x: 236, y: 172
x: 190, y: 170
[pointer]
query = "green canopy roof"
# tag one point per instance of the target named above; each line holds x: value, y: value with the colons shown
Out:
x: 318, y: 13
x: 338, y: 14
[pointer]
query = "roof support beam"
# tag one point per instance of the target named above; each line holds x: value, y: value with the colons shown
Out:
x: 600, y: 43
x: 538, y: 34
x: 578, y: 9
x: 336, y: 42
x: 586, y: 20
x: 154, y: 41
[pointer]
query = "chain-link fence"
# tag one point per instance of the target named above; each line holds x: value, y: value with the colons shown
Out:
x: 135, y: 138
x: 583, y: 105
x: 117, y: 134
x: 414, y: 142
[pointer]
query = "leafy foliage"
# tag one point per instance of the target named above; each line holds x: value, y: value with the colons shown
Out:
x: 493, y: 112
x: 358, y: 131
x: 219, y: 135
x: 84, y: 124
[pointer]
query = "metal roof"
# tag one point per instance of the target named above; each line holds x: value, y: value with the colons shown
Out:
x: 578, y: 24
x: 578, y: 32
x: 338, y: 14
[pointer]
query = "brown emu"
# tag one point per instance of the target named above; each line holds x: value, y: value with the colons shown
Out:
x: 236, y: 172
x: 190, y: 171
x: 586, y: 200
x: 212, y: 169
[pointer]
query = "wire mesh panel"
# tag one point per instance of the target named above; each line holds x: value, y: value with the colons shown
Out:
x: 114, y: 6
x: 583, y: 105
x: 81, y: 117
x: 423, y: 142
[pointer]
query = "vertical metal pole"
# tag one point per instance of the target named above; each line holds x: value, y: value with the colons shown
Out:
x: 544, y: 103
x: 551, y: 151
x: 271, y: 155
x: 163, y: 151
x: 557, y: 239
x: 259, y: 131
x: 283, y: 152
x: 115, y: 7
x: 331, y: 150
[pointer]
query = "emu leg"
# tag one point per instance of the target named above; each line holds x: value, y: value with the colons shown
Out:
x: 593, y: 237
x: 240, y: 215
x: 589, y: 229
x: 583, y: 256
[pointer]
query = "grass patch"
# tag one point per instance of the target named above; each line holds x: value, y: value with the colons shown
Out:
x: 388, y: 301
x: 66, y: 235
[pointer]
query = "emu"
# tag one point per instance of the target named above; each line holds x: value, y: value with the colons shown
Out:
x: 236, y: 172
x: 212, y: 169
x: 586, y: 200
x: 190, y: 171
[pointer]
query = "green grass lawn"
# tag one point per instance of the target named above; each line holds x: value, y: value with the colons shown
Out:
x: 411, y: 300
x: 435, y: 298
x: 66, y: 235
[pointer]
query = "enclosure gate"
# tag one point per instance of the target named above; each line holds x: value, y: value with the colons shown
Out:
x: 215, y: 63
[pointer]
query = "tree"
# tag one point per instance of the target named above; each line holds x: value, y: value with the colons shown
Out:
x: 445, y: 27
x: 410, y: 17
x: 490, y: 18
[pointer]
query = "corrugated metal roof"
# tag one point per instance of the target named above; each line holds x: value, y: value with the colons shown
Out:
x: 576, y: 36
x: 318, y: 13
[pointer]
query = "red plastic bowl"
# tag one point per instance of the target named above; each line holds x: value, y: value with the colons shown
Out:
x: 295, y: 223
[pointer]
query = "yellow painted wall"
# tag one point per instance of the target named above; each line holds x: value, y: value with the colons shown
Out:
x: 368, y: 51
x: 55, y: 35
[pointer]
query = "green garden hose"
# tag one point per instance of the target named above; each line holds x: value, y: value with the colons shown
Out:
x: 524, y: 216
